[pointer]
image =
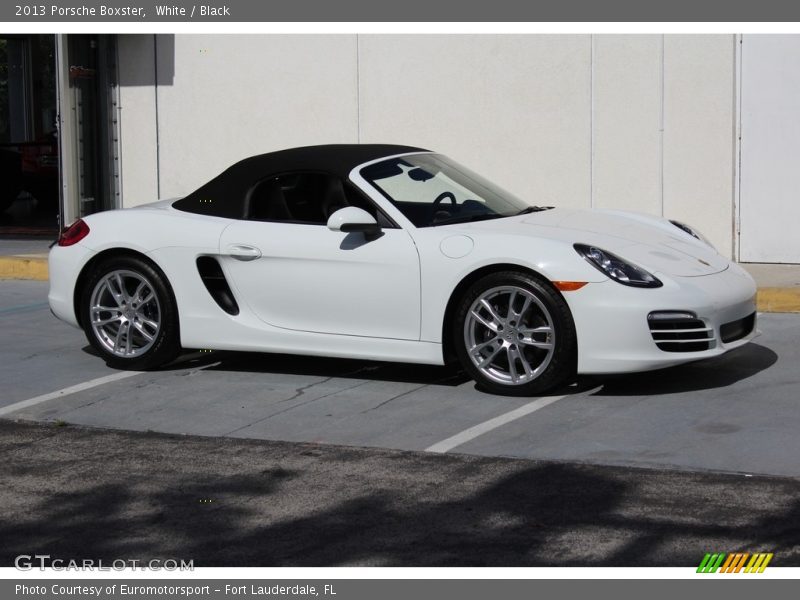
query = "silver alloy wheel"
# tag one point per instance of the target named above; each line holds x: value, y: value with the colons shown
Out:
x: 125, y: 313
x: 509, y: 335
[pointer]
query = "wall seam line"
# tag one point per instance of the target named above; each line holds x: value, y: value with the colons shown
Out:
x: 661, y: 125
x: 155, y: 94
x: 591, y: 121
x: 738, y: 50
x: 358, y: 88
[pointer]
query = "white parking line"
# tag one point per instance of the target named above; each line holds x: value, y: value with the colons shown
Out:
x: 487, y: 426
x: 92, y: 383
x: 86, y: 385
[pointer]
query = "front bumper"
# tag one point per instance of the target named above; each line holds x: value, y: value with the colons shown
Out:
x: 612, y: 325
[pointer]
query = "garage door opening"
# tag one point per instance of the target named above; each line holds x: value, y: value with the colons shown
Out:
x: 58, y: 141
x: 29, y: 157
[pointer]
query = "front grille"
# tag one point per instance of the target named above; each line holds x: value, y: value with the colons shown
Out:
x: 680, y: 331
x: 736, y: 330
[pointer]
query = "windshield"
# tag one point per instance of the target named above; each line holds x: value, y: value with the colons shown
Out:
x: 431, y: 189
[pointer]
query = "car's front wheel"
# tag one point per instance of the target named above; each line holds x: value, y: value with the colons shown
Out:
x: 514, y: 335
x: 129, y: 315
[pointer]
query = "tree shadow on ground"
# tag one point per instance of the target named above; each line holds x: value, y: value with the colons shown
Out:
x: 405, y: 509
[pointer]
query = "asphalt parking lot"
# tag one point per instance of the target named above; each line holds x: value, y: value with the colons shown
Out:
x: 256, y: 459
x: 74, y: 493
x: 738, y: 413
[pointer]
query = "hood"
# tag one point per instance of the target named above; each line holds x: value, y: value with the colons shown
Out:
x: 650, y: 242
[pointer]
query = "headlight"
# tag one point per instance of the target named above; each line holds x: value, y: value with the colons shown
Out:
x: 691, y: 231
x: 616, y: 268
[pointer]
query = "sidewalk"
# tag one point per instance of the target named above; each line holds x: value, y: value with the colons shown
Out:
x: 778, y: 285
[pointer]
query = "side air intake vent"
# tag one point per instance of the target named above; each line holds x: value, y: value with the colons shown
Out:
x: 216, y: 284
x: 677, y: 331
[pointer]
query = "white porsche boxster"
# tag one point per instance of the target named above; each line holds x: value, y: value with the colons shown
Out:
x: 395, y: 253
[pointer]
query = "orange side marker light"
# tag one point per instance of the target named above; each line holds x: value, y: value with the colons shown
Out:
x: 569, y: 286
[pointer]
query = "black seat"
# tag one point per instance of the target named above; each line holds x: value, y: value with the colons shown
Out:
x: 334, y: 197
x: 268, y: 203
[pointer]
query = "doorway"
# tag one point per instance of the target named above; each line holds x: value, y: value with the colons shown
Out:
x: 89, y: 102
x: 29, y: 158
x: 769, y: 202
x: 58, y: 131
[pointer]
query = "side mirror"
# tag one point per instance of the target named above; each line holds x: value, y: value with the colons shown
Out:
x: 353, y: 219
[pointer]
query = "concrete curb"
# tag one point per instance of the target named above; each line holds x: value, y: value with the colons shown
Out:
x: 769, y: 299
x: 23, y: 267
x: 778, y: 299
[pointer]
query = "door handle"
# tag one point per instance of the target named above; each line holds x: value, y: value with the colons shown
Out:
x: 243, y: 252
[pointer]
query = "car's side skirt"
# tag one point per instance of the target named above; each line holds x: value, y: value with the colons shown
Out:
x: 221, y: 333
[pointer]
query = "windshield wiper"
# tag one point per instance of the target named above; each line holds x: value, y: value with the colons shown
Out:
x: 468, y: 218
x: 532, y: 209
x: 486, y: 216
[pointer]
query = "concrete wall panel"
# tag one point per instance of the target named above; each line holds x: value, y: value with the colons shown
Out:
x: 699, y: 134
x: 515, y: 108
x: 627, y: 122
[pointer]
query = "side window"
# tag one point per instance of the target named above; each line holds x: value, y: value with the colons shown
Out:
x: 306, y: 198
x: 294, y: 198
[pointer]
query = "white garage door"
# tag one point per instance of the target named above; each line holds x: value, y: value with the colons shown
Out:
x: 770, y: 160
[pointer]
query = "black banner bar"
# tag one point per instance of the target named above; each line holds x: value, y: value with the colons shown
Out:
x: 731, y: 588
x: 404, y: 11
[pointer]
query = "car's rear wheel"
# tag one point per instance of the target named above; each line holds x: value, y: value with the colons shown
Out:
x: 129, y: 314
x: 514, y: 335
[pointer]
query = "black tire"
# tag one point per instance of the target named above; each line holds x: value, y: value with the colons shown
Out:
x: 165, y: 344
x: 549, y: 350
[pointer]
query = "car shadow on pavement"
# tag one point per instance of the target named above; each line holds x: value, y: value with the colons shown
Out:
x: 451, y: 375
x: 278, y: 504
x: 288, y: 364
x: 719, y: 372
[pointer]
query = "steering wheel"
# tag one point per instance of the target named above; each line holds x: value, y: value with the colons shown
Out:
x: 444, y: 195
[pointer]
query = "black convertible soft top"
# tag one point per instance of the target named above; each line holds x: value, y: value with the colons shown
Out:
x: 224, y: 196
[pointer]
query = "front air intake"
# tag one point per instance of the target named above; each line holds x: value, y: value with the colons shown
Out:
x: 216, y: 284
x: 736, y: 330
x: 680, y: 331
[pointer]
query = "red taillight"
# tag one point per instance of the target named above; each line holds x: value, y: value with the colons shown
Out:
x: 74, y: 233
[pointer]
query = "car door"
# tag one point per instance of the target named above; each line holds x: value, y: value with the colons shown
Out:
x: 295, y: 273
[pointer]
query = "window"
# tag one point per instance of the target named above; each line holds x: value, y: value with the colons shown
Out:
x: 305, y: 198
x: 430, y: 190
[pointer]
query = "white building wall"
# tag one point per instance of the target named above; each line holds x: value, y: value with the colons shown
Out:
x: 514, y: 108
x: 635, y: 122
x: 769, y: 192
x: 699, y: 134
x: 222, y: 98
x: 137, y: 123
x: 627, y: 115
